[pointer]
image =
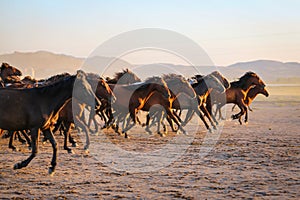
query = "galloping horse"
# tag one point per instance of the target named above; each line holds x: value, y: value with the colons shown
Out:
x: 211, y: 97
x: 237, y: 92
x: 72, y: 112
x: 140, y: 93
x: 34, y: 109
x: 253, y: 92
x: 7, y: 71
x: 160, y: 106
x: 203, y: 87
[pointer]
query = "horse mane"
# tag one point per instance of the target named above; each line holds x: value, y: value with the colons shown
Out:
x: 54, y: 82
x: 242, y: 80
x: 174, y: 78
x: 128, y: 77
x: 54, y: 79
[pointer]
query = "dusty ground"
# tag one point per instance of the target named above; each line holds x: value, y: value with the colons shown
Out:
x: 258, y: 160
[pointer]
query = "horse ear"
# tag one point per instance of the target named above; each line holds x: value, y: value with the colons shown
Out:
x: 80, y: 74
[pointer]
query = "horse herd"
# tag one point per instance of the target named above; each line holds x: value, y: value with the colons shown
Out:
x: 30, y: 106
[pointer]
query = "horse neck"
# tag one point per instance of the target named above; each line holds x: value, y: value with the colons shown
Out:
x: 58, y: 94
x: 200, y: 88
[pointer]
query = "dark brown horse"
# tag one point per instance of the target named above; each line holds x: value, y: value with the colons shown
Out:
x: 104, y: 94
x: 124, y: 77
x: 211, y: 97
x: 35, y: 109
x: 159, y: 106
x: 7, y: 72
x: 73, y: 111
x: 132, y: 98
x: 237, y: 92
x: 203, y: 87
x: 253, y: 92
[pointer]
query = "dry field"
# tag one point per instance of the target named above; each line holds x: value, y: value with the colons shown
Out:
x: 258, y: 160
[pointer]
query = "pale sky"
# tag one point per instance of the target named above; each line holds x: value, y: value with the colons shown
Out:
x: 228, y: 30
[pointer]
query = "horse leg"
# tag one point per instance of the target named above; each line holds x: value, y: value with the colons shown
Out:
x: 27, y: 139
x: 11, y: 139
x: 20, y: 137
x: 66, y: 137
x: 218, y: 110
x: 243, y: 108
x: 35, y: 134
x: 147, y: 124
x: 246, y: 116
x: 204, y: 110
x: 54, y: 148
x: 249, y: 108
x: 198, y: 112
x: 82, y: 125
x: 170, y: 114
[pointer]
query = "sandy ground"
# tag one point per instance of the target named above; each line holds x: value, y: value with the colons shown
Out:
x: 258, y: 160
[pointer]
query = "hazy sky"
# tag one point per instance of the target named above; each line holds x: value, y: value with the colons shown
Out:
x: 228, y: 30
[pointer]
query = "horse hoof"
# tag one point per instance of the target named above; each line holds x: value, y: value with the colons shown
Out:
x: 29, y: 148
x: 15, y: 149
x: 86, y: 147
x: 17, y: 166
x: 70, y: 151
x: 74, y: 144
x: 161, y: 134
x: 209, y: 130
x: 148, y: 131
x: 51, y: 171
x: 215, y: 128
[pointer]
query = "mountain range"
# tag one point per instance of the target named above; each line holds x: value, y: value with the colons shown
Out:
x: 42, y: 64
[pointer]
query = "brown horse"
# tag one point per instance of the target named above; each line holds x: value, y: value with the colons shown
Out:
x: 7, y: 71
x: 211, y: 97
x: 159, y: 106
x: 203, y: 87
x: 34, y: 109
x: 104, y: 94
x: 237, y: 92
x: 140, y: 93
x: 125, y: 77
x: 253, y: 92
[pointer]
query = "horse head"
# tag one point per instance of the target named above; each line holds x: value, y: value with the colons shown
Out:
x: 83, y: 90
x: 6, y: 70
x: 103, y: 91
x: 222, y: 79
x: 212, y: 82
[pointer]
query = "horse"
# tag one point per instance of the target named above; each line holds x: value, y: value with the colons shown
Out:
x: 211, y: 97
x: 253, y: 92
x: 237, y: 92
x: 7, y: 71
x: 35, y: 109
x: 73, y: 111
x: 104, y: 94
x: 124, y: 77
x: 177, y: 85
x: 140, y: 93
x: 203, y: 87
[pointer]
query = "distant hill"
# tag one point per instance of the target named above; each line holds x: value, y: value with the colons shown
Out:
x: 43, y: 64
x: 268, y: 70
